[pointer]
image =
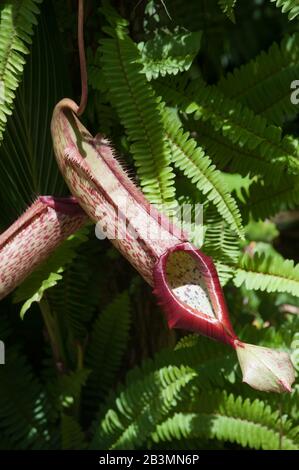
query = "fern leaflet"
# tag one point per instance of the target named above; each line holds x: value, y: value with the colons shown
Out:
x: 132, y: 418
x: 169, y: 53
x: 268, y: 273
x: 288, y: 6
x: 221, y: 244
x: 263, y: 84
x: 264, y: 201
x: 16, y: 28
x: 197, y: 166
x: 235, y: 122
x: 138, y: 110
x: 225, y: 417
x: 23, y: 416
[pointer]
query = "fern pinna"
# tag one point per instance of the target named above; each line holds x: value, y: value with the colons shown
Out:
x: 198, y: 119
x: 17, y: 22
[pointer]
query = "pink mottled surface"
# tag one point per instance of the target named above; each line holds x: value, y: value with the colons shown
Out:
x: 33, y: 237
x: 107, y: 194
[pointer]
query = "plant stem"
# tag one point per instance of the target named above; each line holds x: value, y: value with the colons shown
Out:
x: 54, y: 335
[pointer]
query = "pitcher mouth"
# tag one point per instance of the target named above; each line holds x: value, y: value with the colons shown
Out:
x: 188, y: 289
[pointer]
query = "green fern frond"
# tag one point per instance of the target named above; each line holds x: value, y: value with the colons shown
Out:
x: 224, y: 417
x: 23, y: 416
x: 156, y: 388
x: 221, y: 243
x: 169, y: 54
x: 105, y: 351
x: 193, y: 162
x: 189, y: 214
x: 65, y: 390
x: 27, y: 159
x: 263, y: 201
x: 227, y: 6
x: 213, y: 363
x: 234, y: 121
x: 234, y: 158
x: 289, y: 404
x: 49, y: 273
x: 70, y: 386
x: 288, y: 6
x: 73, y: 297
x: 17, y: 20
x: 140, y: 406
x: 263, y: 84
x: 71, y: 434
x: 139, y: 112
x: 268, y: 273
x: 143, y: 406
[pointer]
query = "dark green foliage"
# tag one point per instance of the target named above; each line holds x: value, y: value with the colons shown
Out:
x: 227, y: 7
x: 27, y: 163
x: 208, y: 412
x: 23, y: 416
x: 268, y: 273
x: 228, y: 418
x: 72, y: 435
x: 109, y: 339
x: 196, y: 166
x: 138, y: 109
x: 236, y: 123
x: 195, y: 98
x: 169, y: 53
x: 288, y: 6
x: 221, y: 243
x: 17, y: 21
x: 264, y: 83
